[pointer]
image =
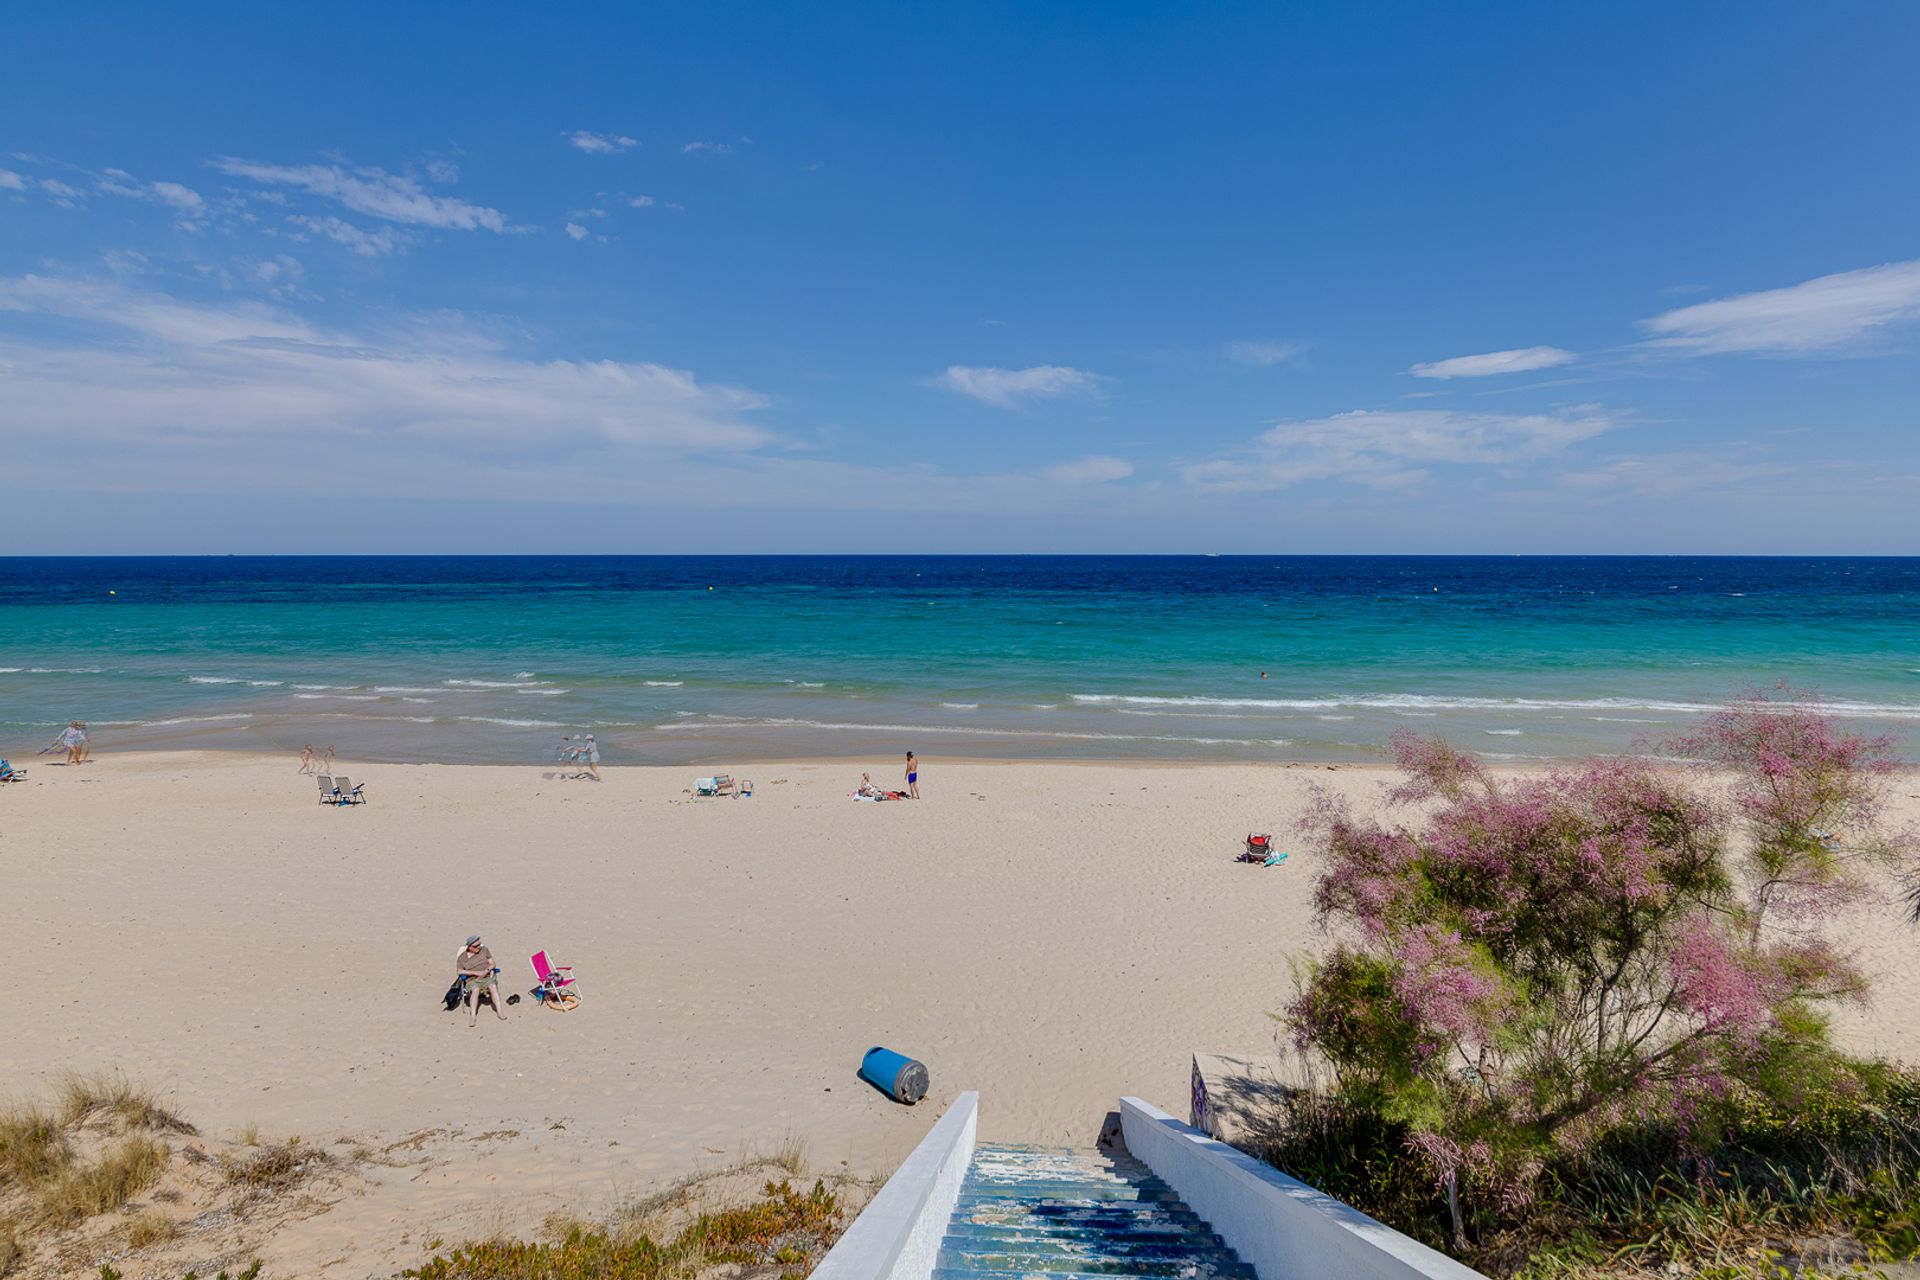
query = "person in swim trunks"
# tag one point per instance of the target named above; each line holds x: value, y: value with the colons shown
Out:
x: 475, y: 964
x: 913, y: 776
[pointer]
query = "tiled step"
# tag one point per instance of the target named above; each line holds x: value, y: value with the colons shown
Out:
x: 1120, y: 1236
x: 1030, y: 1213
x: 1193, y: 1272
x: 1097, y: 1258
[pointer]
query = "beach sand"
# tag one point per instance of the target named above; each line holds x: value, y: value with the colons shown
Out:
x: 1054, y: 935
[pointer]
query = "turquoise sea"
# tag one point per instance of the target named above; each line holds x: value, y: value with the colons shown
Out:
x: 698, y: 659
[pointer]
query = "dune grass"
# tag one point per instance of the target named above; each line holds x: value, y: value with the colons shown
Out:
x: 33, y: 1146
x: 150, y: 1228
x: 273, y: 1166
x: 87, y: 1189
x: 785, y: 1229
x: 87, y: 1097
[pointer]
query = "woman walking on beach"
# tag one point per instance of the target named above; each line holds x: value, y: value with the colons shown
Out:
x: 306, y: 758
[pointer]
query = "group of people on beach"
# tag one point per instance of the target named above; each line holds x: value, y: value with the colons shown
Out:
x: 309, y: 758
x: 868, y: 791
x: 580, y: 751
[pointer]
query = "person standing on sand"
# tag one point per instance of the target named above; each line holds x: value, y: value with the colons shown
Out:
x: 329, y: 764
x: 475, y: 964
x: 913, y: 776
x: 592, y: 757
x: 306, y: 758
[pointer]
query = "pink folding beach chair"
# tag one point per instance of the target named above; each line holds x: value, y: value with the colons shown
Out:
x: 558, y: 989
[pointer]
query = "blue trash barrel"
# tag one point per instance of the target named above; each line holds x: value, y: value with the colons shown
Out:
x: 895, y: 1074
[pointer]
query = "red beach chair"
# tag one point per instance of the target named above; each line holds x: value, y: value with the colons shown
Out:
x: 557, y: 989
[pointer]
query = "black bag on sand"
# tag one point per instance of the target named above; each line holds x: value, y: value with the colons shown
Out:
x: 454, y: 993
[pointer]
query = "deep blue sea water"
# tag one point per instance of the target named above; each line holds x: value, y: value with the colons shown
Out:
x: 716, y: 658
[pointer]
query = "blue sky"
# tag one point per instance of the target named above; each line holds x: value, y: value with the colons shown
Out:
x: 1499, y: 278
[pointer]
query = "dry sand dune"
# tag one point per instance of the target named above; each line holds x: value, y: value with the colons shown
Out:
x: 1054, y: 935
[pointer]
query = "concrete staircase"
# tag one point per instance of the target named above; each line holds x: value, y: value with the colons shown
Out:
x: 1033, y: 1212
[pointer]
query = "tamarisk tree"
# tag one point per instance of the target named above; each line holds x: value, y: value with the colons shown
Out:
x: 1532, y: 960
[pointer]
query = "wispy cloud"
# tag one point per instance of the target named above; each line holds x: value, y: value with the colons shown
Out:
x: 712, y: 148
x: 1518, y: 360
x: 640, y: 202
x: 1680, y: 475
x: 577, y: 232
x: 379, y: 242
x: 1095, y: 470
x: 1817, y: 315
x: 1391, y: 448
x: 601, y: 143
x: 1266, y: 354
x: 63, y: 195
x: 1008, y: 388
x: 375, y: 192
x: 118, y: 182
x: 11, y: 181
x: 199, y: 396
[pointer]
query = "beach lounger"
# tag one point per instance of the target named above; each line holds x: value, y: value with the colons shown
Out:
x: 344, y: 792
x: 558, y: 989
x: 327, y: 790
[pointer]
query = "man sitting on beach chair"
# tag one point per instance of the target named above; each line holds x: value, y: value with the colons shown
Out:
x: 475, y: 964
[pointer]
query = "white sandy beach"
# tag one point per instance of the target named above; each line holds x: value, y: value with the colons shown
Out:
x: 1053, y: 935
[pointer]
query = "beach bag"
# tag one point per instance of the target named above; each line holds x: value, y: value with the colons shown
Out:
x: 454, y: 993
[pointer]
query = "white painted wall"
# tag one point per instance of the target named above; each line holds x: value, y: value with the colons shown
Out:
x: 897, y: 1236
x: 1280, y: 1226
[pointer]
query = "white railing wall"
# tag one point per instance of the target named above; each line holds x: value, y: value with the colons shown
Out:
x: 1280, y: 1226
x: 897, y: 1236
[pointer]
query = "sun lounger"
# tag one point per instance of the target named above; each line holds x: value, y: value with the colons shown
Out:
x: 327, y: 790
x: 344, y: 792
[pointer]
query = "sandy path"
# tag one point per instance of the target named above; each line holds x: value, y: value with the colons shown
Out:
x: 1054, y: 935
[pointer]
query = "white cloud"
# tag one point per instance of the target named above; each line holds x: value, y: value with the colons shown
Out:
x: 1815, y: 315
x: 371, y: 191
x: 1095, y: 470
x: 1519, y: 360
x: 1007, y: 388
x: 1683, y: 475
x: 377, y: 243
x: 443, y: 171
x: 182, y: 198
x: 577, y: 231
x: 63, y: 195
x: 190, y: 396
x: 641, y: 202
x: 712, y: 148
x: 1390, y: 448
x: 11, y: 181
x: 1266, y: 354
x: 601, y: 143
x: 118, y: 182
